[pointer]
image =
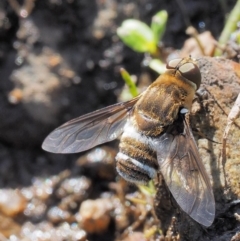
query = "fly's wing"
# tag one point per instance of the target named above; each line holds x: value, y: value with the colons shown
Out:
x: 89, y: 130
x: 185, y: 175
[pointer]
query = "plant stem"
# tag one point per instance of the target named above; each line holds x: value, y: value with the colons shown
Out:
x: 230, y: 26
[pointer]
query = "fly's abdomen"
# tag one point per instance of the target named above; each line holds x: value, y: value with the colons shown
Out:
x: 136, y: 161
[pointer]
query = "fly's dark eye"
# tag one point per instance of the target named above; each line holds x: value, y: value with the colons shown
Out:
x: 191, y: 72
x: 172, y: 64
x: 188, y: 69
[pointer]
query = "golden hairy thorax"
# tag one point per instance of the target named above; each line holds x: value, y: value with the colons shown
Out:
x: 159, y: 105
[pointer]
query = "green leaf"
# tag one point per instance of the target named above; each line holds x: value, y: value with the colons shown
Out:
x: 148, y: 190
x: 157, y: 65
x: 158, y: 24
x: 129, y: 82
x: 238, y: 38
x: 137, y: 35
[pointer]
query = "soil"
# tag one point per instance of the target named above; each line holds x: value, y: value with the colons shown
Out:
x: 58, y: 62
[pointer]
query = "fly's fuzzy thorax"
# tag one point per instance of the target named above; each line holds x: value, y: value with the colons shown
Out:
x: 160, y: 104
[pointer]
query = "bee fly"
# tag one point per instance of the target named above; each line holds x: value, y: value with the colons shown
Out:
x: 156, y: 136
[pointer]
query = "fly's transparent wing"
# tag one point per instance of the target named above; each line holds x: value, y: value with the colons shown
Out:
x: 89, y: 130
x: 185, y: 175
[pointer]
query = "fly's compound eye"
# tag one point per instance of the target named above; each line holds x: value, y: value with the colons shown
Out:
x: 172, y: 64
x: 191, y: 72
